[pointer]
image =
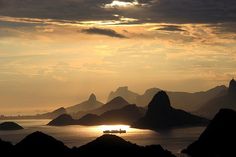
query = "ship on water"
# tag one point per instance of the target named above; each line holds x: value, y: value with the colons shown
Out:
x: 120, y: 131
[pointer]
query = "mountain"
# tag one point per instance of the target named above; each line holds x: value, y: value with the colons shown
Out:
x: 111, y: 145
x: 125, y: 93
x: 160, y: 115
x: 228, y: 100
x: 144, y: 99
x: 183, y: 100
x: 87, y: 105
x: 218, y: 139
x: 6, y: 148
x: 10, y: 126
x: 40, y: 144
x: 89, y: 119
x: 62, y: 120
x: 125, y: 115
x: 53, y: 114
x: 115, y: 103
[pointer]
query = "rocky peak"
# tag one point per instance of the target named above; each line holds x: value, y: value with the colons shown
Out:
x: 92, y: 97
x: 232, y: 87
x: 160, y: 101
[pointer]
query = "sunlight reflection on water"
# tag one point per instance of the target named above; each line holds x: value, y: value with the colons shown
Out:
x: 76, y: 135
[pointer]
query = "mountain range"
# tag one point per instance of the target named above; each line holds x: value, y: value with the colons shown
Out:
x: 161, y: 115
x: 125, y: 115
x: 227, y: 100
x: 90, y: 104
x: 184, y: 100
x: 39, y: 144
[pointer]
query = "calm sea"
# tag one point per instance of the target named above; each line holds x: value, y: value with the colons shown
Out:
x: 174, y: 140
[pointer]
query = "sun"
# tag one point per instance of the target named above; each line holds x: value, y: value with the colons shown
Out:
x: 121, y: 4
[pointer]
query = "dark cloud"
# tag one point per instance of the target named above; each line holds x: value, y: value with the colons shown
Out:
x: 171, y: 28
x: 57, y: 9
x: 101, y: 31
x: 154, y: 11
x: 193, y: 11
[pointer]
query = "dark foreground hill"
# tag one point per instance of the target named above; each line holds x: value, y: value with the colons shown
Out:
x: 219, y: 138
x: 39, y: 144
x: 160, y: 115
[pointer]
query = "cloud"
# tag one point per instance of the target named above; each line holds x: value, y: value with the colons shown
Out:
x: 102, y: 31
x: 171, y: 28
x: 132, y: 11
x: 178, y: 11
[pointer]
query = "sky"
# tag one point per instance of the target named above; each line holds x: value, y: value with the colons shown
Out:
x: 56, y: 53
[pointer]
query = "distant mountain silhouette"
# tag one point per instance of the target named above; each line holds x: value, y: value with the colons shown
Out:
x: 183, y: 100
x: 160, y: 115
x: 125, y: 93
x: 62, y: 120
x: 228, y: 100
x: 111, y: 145
x: 89, y: 119
x: 218, y: 139
x: 53, y: 114
x: 115, y: 103
x: 125, y: 115
x: 87, y: 105
x: 10, y: 126
x: 39, y: 144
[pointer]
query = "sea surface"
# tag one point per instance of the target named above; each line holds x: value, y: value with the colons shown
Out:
x: 75, y: 135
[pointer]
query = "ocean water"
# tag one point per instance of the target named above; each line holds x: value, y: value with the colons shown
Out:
x: 174, y: 140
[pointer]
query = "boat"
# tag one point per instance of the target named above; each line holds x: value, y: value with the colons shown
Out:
x: 120, y: 131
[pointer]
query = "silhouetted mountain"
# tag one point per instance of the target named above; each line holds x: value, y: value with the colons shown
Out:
x: 89, y: 119
x: 125, y: 93
x: 6, y: 148
x: 125, y: 115
x: 40, y: 144
x: 87, y: 105
x: 53, y: 114
x: 228, y: 100
x: 183, y: 100
x: 115, y: 103
x: 111, y: 145
x: 62, y: 120
x: 143, y: 100
x: 10, y: 126
x: 218, y: 139
x: 160, y: 115
x: 232, y: 87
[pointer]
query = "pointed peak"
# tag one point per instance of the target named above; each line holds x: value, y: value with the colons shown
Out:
x: 232, y: 86
x: 160, y: 100
x: 118, y: 99
x: 92, y: 97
